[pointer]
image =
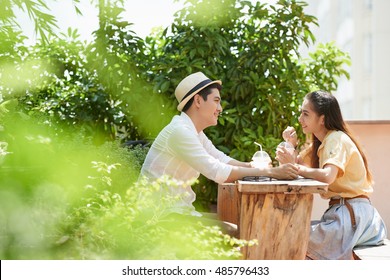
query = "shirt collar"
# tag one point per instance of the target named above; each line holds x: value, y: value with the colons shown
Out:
x: 188, y: 120
x: 323, y: 141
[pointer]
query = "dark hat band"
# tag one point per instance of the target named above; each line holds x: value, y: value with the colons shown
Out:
x: 195, y: 88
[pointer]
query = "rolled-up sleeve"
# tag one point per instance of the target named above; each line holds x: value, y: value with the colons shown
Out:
x: 199, y: 153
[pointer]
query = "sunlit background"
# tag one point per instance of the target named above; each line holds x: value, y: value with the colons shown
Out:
x: 358, y: 27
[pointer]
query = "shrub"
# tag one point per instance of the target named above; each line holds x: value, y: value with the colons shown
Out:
x: 66, y: 198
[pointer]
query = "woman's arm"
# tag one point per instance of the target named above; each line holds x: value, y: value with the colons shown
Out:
x: 328, y: 174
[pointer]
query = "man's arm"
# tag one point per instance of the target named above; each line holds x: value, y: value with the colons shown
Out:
x: 235, y: 162
x: 285, y: 171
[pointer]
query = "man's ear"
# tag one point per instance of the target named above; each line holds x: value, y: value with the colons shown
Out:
x: 197, y: 100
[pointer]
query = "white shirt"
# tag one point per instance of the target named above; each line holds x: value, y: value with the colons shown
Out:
x: 183, y: 154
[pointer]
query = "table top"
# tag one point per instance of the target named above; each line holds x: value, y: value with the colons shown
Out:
x: 270, y: 185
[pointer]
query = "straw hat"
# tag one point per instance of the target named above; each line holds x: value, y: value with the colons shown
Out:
x: 190, y: 86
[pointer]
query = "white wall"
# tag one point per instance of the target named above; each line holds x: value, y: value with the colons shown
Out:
x: 360, y: 28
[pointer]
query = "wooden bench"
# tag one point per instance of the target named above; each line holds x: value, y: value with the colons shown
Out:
x: 381, y: 252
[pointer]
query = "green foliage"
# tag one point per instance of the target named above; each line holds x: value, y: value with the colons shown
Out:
x: 123, y: 86
x: 252, y: 47
x: 326, y: 66
x: 123, y: 56
x: 65, y: 198
x: 97, y: 87
x: 72, y: 94
x: 109, y: 226
x: 206, y: 194
x: 37, y: 11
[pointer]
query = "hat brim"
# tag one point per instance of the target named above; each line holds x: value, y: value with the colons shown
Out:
x: 184, y: 101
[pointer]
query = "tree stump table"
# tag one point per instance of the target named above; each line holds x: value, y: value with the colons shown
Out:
x: 277, y: 213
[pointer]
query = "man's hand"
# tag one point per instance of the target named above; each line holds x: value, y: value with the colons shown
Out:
x: 285, y: 171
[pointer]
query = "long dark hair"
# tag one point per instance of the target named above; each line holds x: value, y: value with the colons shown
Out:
x: 324, y: 103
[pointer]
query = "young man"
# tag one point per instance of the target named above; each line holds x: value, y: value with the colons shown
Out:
x: 183, y: 152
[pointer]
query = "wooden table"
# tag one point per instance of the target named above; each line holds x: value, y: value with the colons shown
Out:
x: 277, y: 213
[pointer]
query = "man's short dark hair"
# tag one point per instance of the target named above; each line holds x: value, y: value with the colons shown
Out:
x: 204, y: 93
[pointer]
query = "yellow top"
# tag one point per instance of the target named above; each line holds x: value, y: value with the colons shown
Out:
x: 339, y: 150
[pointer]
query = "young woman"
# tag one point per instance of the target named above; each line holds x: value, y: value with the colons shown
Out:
x: 334, y: 157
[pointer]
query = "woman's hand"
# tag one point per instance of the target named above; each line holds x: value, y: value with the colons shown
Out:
x: 290, y: 135
x: 284, y: 156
